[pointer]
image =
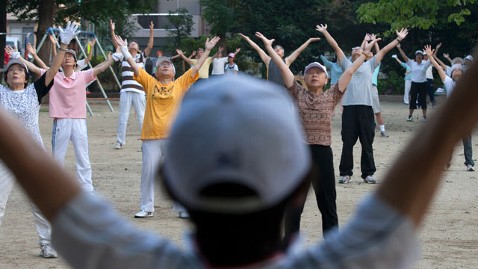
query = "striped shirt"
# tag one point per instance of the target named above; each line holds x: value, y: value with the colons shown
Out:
x: 128, y: 83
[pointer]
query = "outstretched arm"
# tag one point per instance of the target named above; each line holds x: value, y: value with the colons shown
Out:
x: 112, y: 32
x: 265, y: 58
x: 14, y: 54
x: 291, y: 58
x: 402, y: 53
x: 123, y: 44
x: 338, y: 51
x: 180, y: 53
x: 431, y: 56
x: 150, y: 44
x: 209, y: 45
x: 104, y: 65
x: 447, y: 56
x: 287, y: 75
x: 400, y: 36
x: 33, y: 52
x: 46, y: 182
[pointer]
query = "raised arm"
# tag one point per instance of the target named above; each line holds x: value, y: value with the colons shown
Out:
x: 338, y: 51
x: 208, y: 46
x: 66, y: 35
x: 150, y: 44
x: 100, y: 68
x: 346, y: 76
x: 123, y: 44
x: 186, y: 59
x: 91, y: 45
x: 402, y: 53
x: 287, y: 75
x: 112, y: 32
x: 14, y: 54
x: 411, y: 184
x: 400, y: 36
x: 264, y: 57
x: 293, y: 56
x: 447, y: 56
x: 431, y: 56
x: 53, y: 42
x: 237, y: 51
x: 47, y: 184
x: 33, y: 52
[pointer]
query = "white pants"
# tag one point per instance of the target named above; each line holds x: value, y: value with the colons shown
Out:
x: 127, y: 99
x: 74, y: 130
x: 406, y: 94
x: 6, y: 185
x: 153, y: 155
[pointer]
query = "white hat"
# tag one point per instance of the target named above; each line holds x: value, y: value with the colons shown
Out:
x: 316, y: 64
x: 454, y: 67
x: 15, y: 61
x: 419, y: 52
x: 162, y: 59
x: 469, y: 57
x: 234, y: 134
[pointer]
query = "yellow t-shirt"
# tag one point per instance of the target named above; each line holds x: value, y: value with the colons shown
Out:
x: 162, y: 102
x: 204, y: 70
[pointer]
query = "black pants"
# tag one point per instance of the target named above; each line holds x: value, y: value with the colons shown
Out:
x: 358, y: 122
x: 431, y: 91
x: 418, y: 91
x: 322, y: 179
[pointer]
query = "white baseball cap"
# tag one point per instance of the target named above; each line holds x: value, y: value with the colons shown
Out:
x: 15, y: 61
x: 419, y: 52
x: 316, y: 64
x: 469, y: 57
x: 234, y: 134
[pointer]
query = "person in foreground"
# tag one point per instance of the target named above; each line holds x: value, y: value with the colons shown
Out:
x: 236, y: 158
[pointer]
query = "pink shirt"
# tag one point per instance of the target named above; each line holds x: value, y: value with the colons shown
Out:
x: 68, y: 95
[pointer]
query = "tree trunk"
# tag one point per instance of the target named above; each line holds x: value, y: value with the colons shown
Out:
x: 46, y: 14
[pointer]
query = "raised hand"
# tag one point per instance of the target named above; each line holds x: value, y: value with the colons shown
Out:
x: 402, y: 34
x: 321, y: 28
x: 151, y: 26
x: 209, y: 45
x: 112, y: 26
x: 446, y: 55
x: 314, y: 39
x: 120, y: 41
x: 428, y: 50
x: 264, y: 39
x: 369, y: 46
x: 243, y: 36
x: 31, y: 49
x: 70, y: 31
x: 14, y: 54
x: 179, y: 52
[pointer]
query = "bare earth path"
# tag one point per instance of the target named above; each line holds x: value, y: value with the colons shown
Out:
x: 449, y: 236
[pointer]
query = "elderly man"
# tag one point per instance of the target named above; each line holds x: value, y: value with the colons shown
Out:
x: 163, y: 94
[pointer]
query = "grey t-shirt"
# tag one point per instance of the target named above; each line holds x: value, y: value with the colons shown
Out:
x: 359, y: 90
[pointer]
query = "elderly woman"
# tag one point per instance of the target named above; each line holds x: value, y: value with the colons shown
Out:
x: 22, y: 102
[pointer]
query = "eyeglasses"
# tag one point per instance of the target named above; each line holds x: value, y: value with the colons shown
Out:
x: 165, y: 64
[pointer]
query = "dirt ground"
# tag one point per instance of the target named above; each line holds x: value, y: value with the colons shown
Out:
x: 449, y: 235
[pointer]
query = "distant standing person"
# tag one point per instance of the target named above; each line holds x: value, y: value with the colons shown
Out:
x: 219, y: 62
x: 231, y: 67
x: 132, y: 93
x: 407, y: 78
x: 273, y: 72
x: 449, y: 83
x: 334, y: 68
x: 164, y: 94
x: 419, y: 86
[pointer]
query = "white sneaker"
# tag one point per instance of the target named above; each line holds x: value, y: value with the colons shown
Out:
x: 47, y: 251
x: 183, y: 214
x: 370, y: 180
x: 118, y: 145
x: 410, y: 118
x: 143, y: 214
x: 470, y: 168
x: 383, y: 134
x: 344, y: 179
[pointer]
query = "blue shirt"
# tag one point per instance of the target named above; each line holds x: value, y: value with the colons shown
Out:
x: 335, y: 70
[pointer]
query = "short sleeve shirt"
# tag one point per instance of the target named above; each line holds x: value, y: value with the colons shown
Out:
x: 68, y: 95
x: 449, y: 84
x: 204, y: 70
x: 316, y: 112
x: 419, y: 70
x: 359, y: 90
x: 218, y: 65
x: 162, y: 102
x: 24, y: 105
